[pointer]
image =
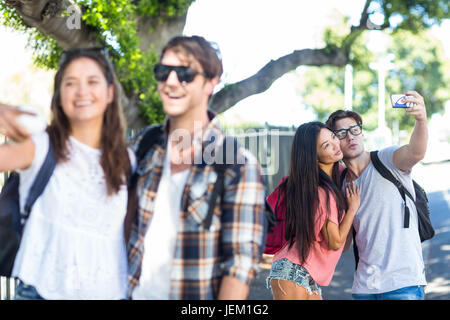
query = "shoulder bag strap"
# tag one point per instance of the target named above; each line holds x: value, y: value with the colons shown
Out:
x: 40, y: 182
x: 148, y: 140
x: 152, y: 135
x: 385, y: 173
x: 219, y: 185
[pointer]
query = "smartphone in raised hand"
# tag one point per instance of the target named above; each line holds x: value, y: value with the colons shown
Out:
x: 396, y: 100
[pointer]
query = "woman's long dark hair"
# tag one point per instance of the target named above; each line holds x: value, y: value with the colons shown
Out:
x: 302, y: 187
x: 114, y: 159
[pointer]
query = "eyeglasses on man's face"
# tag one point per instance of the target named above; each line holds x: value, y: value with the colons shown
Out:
x: 184, y: 74
x: 354, y: 130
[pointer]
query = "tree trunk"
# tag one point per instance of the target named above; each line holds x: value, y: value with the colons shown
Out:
x: 155, y: 35
x: 59, y: 19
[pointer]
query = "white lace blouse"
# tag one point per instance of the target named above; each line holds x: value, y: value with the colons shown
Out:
x: 73, y: 245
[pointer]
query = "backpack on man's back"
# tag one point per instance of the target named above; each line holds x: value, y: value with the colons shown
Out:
x: 426, y: 230
x: 150, y: 138
x: 12, y: 220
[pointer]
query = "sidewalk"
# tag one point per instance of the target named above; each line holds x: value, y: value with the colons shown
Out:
x: 436, y: 252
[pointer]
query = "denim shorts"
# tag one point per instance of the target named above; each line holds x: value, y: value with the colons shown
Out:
x: 284, y: 269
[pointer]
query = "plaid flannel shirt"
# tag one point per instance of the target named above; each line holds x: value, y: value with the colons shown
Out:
x: 233, y: 244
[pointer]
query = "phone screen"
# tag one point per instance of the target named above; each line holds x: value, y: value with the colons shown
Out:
x: 395, y: 100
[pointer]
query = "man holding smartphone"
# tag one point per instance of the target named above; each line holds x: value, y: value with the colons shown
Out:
x: 391, y: 265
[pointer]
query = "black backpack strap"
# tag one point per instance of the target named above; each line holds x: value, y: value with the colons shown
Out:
x: 385, y: 173
x: 218, y: 188
x: 39, y: 183
x: 219, y: 167
x: 152, y: 136
x: 355, y: 248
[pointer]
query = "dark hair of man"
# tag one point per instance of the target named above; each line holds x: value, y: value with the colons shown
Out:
x: 302, y: 187
x: 341, y: 114
x: 196, y: 47
x: 114, y: 159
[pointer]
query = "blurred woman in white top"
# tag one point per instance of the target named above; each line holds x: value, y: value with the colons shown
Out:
x: 73, y: 244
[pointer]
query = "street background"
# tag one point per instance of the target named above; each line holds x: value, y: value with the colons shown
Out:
x: 436, y: 251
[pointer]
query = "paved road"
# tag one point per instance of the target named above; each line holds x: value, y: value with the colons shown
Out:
x: 436, y: 252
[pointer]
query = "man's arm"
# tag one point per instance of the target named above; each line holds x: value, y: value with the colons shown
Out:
x: 242, y: 230
x: 410, y: 154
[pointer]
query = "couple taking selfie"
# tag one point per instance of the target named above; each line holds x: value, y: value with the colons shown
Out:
x: 188, y: 230
x: 321, y: 203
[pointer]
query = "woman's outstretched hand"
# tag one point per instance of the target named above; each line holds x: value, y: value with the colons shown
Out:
x: 9, y: 126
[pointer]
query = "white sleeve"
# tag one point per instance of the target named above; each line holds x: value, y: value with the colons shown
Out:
x: 41, y: 143
x: 386, y: 156
x: 27, y: 176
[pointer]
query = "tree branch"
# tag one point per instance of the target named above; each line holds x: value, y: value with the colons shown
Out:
x: 365, y: 14
x: 231, y: 94
x: 365, y: 23
x: 263, y: 79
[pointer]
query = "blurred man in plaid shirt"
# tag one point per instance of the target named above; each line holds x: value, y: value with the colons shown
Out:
x: 173, y: 253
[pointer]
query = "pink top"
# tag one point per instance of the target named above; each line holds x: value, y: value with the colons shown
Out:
x: 321, y: 260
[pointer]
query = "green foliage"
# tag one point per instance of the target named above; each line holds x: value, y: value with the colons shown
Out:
x: 115, y: 22
x: 163, y: 9
x: 418, y: 59
x: 10, y: 17
x: 419, y: 64
x: 338, y: 36
x: 311, y: 85
x: 415, y: 15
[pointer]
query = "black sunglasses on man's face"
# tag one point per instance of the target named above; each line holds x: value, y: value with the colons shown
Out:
x: 184, y: 74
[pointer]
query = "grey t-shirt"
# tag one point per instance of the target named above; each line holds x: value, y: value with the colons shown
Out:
x: 390, y: 256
